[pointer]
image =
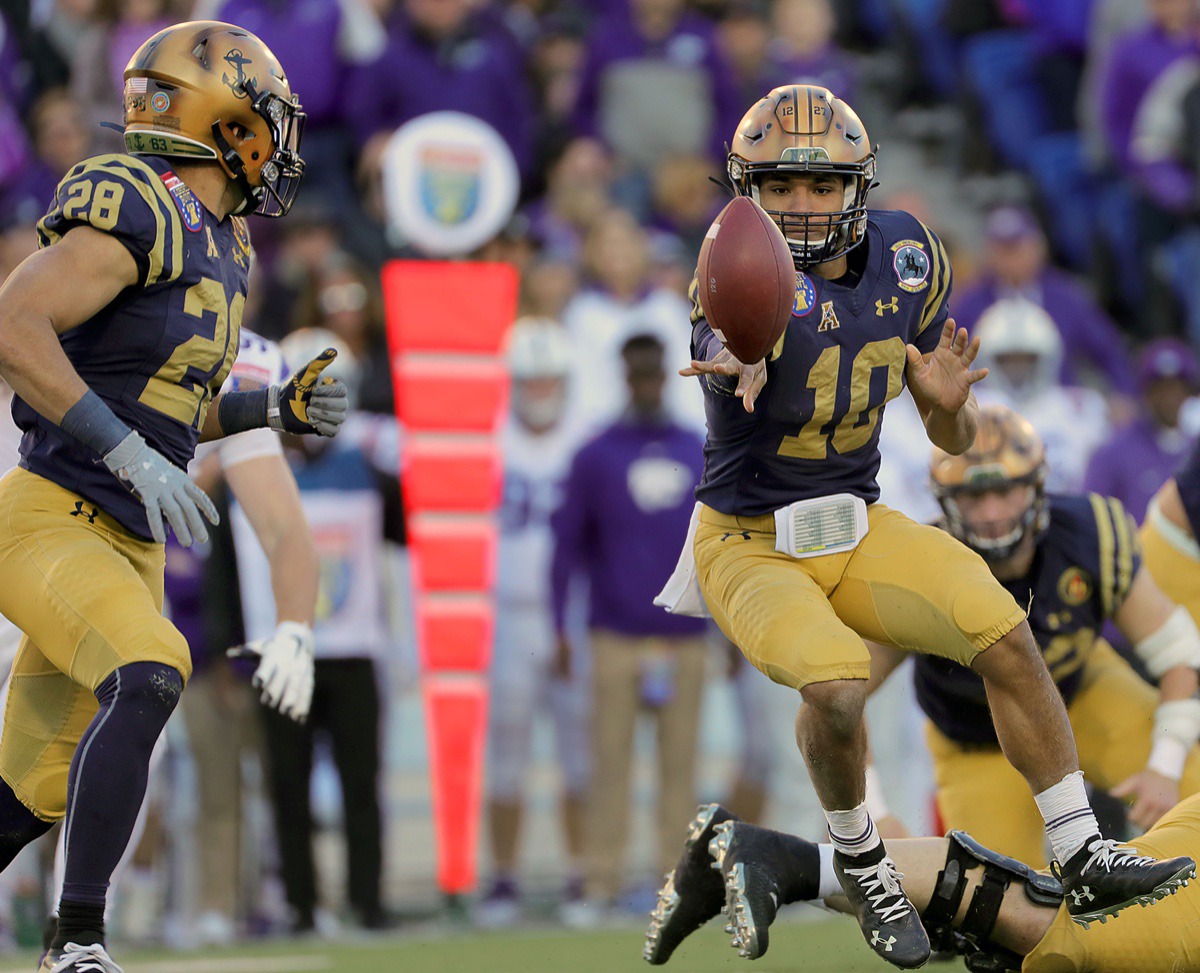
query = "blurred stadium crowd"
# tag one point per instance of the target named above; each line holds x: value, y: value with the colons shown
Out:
x: 1052, y: 145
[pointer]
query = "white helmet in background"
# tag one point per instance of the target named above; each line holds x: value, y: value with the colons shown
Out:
x: 539, y: 360
x: 1021, y: 345
x: 302, y: 346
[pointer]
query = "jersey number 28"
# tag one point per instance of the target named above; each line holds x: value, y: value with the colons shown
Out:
x: 176, y: 389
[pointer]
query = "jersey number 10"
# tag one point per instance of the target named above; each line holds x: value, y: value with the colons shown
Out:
x: 851, y: 433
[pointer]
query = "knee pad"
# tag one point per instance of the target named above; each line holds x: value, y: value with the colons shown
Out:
x: 144, y: 693
x: 999, y: 871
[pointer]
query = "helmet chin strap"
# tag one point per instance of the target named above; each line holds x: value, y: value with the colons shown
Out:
x: 237, y: 170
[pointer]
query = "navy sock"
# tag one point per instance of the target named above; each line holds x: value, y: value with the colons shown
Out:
x: 81, y: 923
x: 107, y: 785
x: 18, y: 825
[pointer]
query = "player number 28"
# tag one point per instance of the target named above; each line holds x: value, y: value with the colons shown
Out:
x: 105, y: 203
x: 852, y: 432
x: 186, y: 383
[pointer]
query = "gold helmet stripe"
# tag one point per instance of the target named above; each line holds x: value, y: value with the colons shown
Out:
x: 939, y: 275
x: 1104, y: 528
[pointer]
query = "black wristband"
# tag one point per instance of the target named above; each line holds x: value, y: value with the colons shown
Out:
x: 240, y: 411
x: 94, y: 424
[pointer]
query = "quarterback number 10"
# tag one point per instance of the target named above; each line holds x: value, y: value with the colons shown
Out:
x: 851, y: 433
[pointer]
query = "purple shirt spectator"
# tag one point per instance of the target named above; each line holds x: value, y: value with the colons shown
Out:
x: 304, y: 36
x: 1135, y: 462
x: 650, y: 97
x: 1017, y: 267
x: 625, y: 510
x: 1089, y: 335
x: 1139, y: 458
x: 477, y: 68
x: 1136, y: 61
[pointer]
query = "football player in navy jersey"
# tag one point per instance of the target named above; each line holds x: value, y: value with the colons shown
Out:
x: 1074, y: 559
x: 798, y: 563
x: 116, y: 336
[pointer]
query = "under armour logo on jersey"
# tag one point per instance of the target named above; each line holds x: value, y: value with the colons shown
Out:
x: 893, y: 305
x: 829, y: 319
x: 212, y: 244
x: 743, y: 534
x: 878, y: 940
x: 80, y: 512
x: 1082, y: 895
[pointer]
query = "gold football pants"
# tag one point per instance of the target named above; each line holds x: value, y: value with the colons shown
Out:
x: 88, y: 596
x: 1112, y: 717
x: 803, y: 620
x: 1164, y: 938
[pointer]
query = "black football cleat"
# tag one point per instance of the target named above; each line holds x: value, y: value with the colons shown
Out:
x: 692, y: 893
x: 1105, y: 876
x: 744, y: 853
x: 887, y: 919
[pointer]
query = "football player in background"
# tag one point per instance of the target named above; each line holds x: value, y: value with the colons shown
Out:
x: 995, y: 911
x: 1074, y: 560
x: 1023, y: 352
x: 115, y: 337
x: 527, y: 677
x: 1169, y: 534
x: 793, y: 442
x: 350, y: 494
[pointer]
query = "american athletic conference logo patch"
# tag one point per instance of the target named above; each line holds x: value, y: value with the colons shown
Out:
x: 806, y: 295
x: 187, y: 204
x: 911, y: 263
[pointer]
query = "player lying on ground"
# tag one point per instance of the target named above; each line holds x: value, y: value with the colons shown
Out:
x: 995, y: 911
x: 793, y: 446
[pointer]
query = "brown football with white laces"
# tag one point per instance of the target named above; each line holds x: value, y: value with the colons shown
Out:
x: 746, y: 280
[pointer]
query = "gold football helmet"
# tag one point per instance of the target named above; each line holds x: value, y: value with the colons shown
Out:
x: 806, y: 128
x: 1007, y: 452
x: 207, y: 90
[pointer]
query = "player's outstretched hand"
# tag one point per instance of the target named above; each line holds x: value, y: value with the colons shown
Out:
x: 307, y: 404
x: 284, y: 677
x: 165, y: 489
x: 751, y: 378
x: 1151, y: 795
x: 944, y: 377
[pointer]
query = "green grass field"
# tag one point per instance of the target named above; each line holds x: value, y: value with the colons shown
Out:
x: 824, y: 946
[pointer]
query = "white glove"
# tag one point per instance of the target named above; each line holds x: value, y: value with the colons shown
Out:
x: 284, y: 676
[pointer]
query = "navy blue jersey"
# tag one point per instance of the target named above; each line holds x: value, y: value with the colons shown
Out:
x: 158, y: 353
x: 815, y: 427
x: 1082, y: 570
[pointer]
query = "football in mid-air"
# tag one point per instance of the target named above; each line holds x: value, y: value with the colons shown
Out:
x: 747, y: 282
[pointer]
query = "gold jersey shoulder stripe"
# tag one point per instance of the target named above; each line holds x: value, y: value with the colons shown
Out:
x: 1104, y: 530
x: 939, y: 274
x: 1126, y: 549
x: 694, y: 297
x: 154, y: 181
